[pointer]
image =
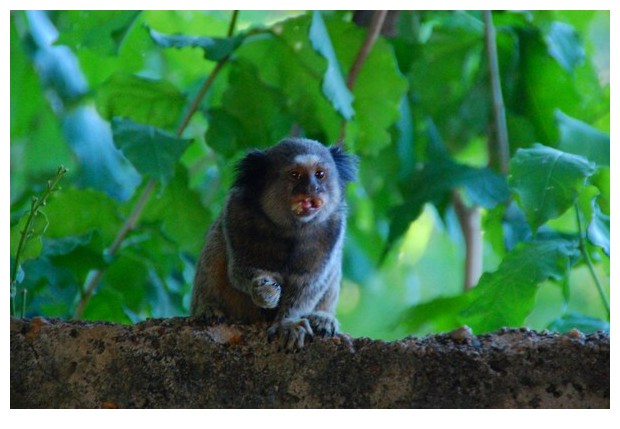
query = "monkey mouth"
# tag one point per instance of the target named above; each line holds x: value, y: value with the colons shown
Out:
x: 305, y: 206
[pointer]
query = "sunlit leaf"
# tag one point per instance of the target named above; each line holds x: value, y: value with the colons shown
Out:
x: 76, y: 212
x: 334, y: 86
x: 142, y: 100
x: 506, y: 296
x: 152, y: 151
x: 579, y: 138
x: 100, y: 31
x: 547, y: 181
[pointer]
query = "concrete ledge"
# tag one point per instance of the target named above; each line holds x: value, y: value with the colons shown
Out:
x: 187, y: 363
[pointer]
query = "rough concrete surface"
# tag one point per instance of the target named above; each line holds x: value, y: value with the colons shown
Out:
x: 188, y: 363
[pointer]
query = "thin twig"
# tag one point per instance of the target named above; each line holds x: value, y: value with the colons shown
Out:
x: 374, y: 29
x: 37, y: 203
x: 148, y: 190
x: 499, y: 151
x: 586, y: 256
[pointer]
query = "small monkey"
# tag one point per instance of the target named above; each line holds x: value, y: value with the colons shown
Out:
x: 275, y: 252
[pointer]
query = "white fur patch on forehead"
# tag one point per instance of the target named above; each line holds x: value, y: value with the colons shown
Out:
x: 307, y: 159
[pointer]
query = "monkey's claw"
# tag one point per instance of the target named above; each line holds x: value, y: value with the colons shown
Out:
x: 266, y: 292
x: 323, y: 324
x: 291, y: 332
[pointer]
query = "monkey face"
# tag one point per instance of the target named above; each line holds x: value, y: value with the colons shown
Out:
x: 296, y: 182
x: 309, y: 180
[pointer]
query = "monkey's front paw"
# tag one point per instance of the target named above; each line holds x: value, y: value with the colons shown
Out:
x: 323, y: 323
x: 291, y: 332
x: 265, y: 291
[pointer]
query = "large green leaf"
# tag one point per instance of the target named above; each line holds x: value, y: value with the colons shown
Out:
x: 143, y: 100
x: 165, y: 208
x: 334, y: 86
x: 547, y: 181
x: 579, y: 138
x: 102, y: 31
x: 296, y: 69
x: 75, y: 212
x: 252, y: 114
x: 376, y: 100
x: 506, y: 296
x: 214, y: 48
x: 152, y: 151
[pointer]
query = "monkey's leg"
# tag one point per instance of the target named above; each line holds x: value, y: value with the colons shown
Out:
x: 322, y: 319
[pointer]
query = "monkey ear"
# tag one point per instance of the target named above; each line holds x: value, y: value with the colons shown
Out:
x: 252, y: 172
x: 345, y: 163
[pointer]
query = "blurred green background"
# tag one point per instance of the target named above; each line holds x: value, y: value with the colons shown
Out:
x: 106, y: 94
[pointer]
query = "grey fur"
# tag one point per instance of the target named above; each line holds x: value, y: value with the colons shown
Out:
x: 275, y: 253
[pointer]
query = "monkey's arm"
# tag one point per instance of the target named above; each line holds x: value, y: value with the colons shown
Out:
x: 246, y: 271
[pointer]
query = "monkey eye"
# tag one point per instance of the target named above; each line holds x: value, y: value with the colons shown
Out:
x: 320, y: 174
x: 295, y: 175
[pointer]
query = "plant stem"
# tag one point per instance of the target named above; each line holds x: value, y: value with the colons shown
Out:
x: 374, y: 29
x: 469, y: 221
x: 586, y: 257
x: 137, y: 210
x: 498, y: 147
x: 37, y: 203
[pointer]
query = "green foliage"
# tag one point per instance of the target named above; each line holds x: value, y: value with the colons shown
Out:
x: 148, y: 168
x: 152, y: 151
x: 142, y: 100
x: 547, y: 182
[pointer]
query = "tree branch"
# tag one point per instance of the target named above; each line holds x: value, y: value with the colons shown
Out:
x: 499, y: 153
x: 469, y: 220
x: 374, y: 29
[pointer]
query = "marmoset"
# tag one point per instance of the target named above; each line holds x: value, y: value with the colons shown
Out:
x: 275, y: 252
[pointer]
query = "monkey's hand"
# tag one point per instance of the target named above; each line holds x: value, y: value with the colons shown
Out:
x: 291, y: 332
x: 323, y: 323
x: 265, y: 291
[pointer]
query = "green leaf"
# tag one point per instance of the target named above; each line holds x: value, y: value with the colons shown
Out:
x: 334, y: 86
x: 143, y: 100
x: 151, y: 150
x: 178, y: 198
x: 564, y: 45
x: 252, y: 114
x: 598, y: 230
x: 546, y: 88
x: 506, y: 296
x: 215, y: 49
x: 102, y: 31
x: 76, y: 212
x: 295, y: 71
x: 440, y: 314
x: 579, y: 138
x: 585, y: 324
x: 376, y: 100
x: 547, y: 181
x: 435, y: 182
